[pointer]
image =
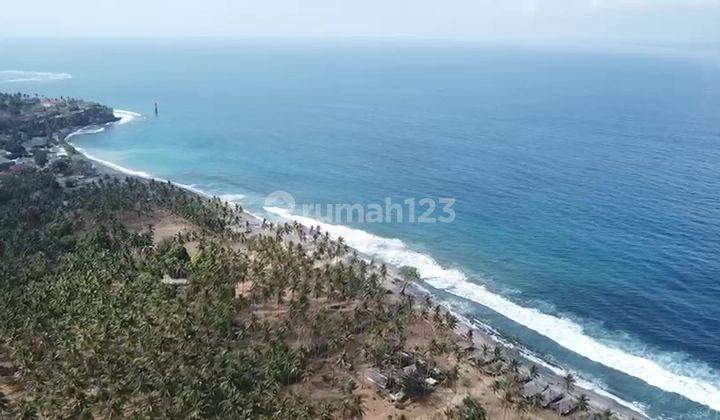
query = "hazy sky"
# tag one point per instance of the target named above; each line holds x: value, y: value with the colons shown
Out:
x: 504, y: 20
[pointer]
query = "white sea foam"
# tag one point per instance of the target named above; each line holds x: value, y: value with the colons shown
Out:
x: 125, y: 116
x: 582, y: 383
x: 188, y: 187
x: 140, y: 174
x: 87, y: 130
x: 232, y: 198
x: 556, y: 370
x: 15, y: 76
x: 111, y: 165
x: 564, y: 332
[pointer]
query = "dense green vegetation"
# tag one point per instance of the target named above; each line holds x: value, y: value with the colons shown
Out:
x: 470, y: 410
x: 94, y: 332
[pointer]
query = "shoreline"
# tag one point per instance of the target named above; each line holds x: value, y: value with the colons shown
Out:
x: 483, y: 334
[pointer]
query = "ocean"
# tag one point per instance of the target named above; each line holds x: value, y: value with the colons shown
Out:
x: 585, y: 181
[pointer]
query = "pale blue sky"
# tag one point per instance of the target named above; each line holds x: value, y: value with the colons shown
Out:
x: 494, y: 20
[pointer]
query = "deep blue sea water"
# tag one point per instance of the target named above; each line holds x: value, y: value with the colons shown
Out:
x: 587, y: 182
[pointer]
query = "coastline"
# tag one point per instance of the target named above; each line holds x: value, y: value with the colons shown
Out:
x: 485, y: 334
x: 482, y: 334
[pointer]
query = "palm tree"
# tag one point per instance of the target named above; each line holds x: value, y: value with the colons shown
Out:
x: 499, y: 385
x: 514, y: 366
x: 522, y: 407
x: 507, y: 402
x: 534, y: 372
x: 4, y: 404
x: 497, y: 353
x: 583, y: 403
x: 536, y: 400
x: 353, y: 407
x: 484, y: 348
x: 450, y: 320
x: 409, y: 274
x: 27, y: 410
x: 604, y: 415
x: 569, y: 383
x: 471, y: 410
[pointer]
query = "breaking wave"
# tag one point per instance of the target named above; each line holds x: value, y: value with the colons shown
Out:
x: 125, y: 116
x: 698, y: 387
x: 16, y: 76
x: 232, y: 198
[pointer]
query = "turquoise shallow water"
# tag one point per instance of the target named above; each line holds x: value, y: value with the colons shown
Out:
x: 586, y: 183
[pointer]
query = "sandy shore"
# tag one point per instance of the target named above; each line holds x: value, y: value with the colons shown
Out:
x: 472, y: 382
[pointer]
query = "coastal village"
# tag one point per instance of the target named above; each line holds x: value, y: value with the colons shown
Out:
x: 155, y: 302
x: 33, y: 132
